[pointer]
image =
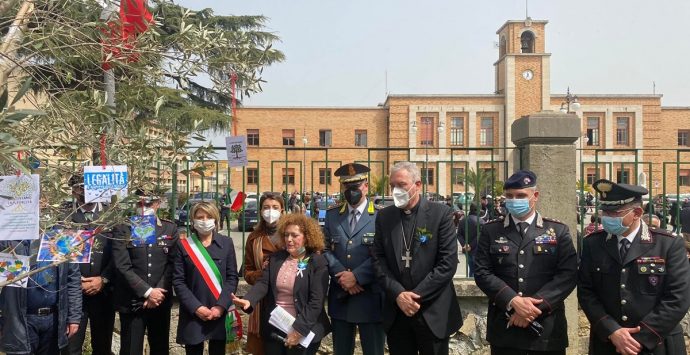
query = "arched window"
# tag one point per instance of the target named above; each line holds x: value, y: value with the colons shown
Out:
x: 527, y: 42
x: 502, y: 47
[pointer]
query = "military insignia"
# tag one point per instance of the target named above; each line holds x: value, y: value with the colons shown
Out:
x: 368, y: 239
x: 351, y: 169
x: 543, y: 249
x: 654, y: 280
x: 501, y: 240
x: 505, y: 249
x: 546, y: 238
x: 371, y: 208
x: 609, y: 236
x: 162, y: 243
x: 343, y: 208
x: 527, y: 181
x: 165, y: 250
x: 643, y: 269
x: 645, y: 237
x: 500, y: 260
x: 604, y: 187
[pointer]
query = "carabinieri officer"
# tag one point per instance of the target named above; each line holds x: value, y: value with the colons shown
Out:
x: 634, y: 280
x: 354, y: 297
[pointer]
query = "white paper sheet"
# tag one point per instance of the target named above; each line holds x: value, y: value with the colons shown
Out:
x: 281, y: 319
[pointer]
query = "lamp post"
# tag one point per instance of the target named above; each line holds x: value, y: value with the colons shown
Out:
x: 570, y: 102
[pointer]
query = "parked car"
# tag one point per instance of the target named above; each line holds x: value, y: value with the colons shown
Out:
x: 384, y: 201
x: 181, y: 214
x: 249, y: 216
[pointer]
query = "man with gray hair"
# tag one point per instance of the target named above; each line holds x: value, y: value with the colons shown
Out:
x: 415, y: 257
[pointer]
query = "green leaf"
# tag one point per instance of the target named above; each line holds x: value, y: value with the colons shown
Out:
x: 26, y: 85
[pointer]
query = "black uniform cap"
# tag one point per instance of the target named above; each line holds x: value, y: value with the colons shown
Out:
x: 352, y: 172
x: 612, y: 195
x: 149, y: 195
x: 521, y: 179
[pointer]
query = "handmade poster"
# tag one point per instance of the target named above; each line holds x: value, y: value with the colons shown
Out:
x: 19, y: 195
x: 236, y: 148
x: 12, y: 266
x: 58, y: 244
x: 100, y: 183
x: 143, y: 230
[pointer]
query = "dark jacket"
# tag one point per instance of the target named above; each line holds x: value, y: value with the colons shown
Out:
x: 101, y: 263
x: 192, y: 291
x: 685, y: 218
x: 143, y: 267
x: 468, y: 231
x: 309, y: 292
x: 649, y: 289
x: 432, y: 267
x: 541, y: 264
x: 13, y: 327
x: 350, y: 251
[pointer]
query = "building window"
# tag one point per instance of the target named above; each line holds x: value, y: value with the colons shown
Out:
x: 289, y: 137
x: 427, y: 176
x: 360, y: 138
x: 325, y: 138
x: 591, y: 176
x: 623, y: 130
x: 457, y: 176
x: 253, y: 137
x: 427, y: 131
x: 252, y: 176
x: 623, y: 176
x: 527, y: 42
x: 457, y: 131
x: 684, y: 177
x: 486, y: 133
x: 289, y: 176
x: 592, y: 130
x: 325, y: 176
x: 684, y: 138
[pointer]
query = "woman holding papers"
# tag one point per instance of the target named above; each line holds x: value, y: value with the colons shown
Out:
x: 296, y: 280
x: 261, y: 243
x: 204, y: 279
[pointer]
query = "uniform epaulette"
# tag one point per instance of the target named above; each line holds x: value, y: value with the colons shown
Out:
x: 552, y: 220
x: 337, y: 205
x: 499, y: 219
x: 166, y: 220
x: 594, y: 232
x: 659, y: 231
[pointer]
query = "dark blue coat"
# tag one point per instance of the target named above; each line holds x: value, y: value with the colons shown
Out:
x: 351, y: 252
x: 193, y: 292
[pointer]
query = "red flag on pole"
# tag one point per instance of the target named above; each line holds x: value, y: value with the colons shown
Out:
x: 134, y: 20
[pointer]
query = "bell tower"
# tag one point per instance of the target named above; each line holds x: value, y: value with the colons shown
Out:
x: 523, y: 68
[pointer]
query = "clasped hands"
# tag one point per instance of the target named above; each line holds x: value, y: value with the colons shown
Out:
x: 624, y: 342
x: 156, y: 297
x: 348, y: 282
x: 207, y: 314
x: 408, y: 302
x: 92, y: 285
x: 526, y: 311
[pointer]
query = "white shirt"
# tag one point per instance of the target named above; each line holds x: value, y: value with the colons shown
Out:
x: 630, y: 236
x: 362, y: 206
x: 528, y: 220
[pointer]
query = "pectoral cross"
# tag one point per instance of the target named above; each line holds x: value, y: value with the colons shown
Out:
x: 406, y: 258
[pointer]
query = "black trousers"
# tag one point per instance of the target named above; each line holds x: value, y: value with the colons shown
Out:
x: 412, y: 336
x: 99, y: 312
x: 274, y: 347
x: 134, y: 325
x: 371, y: 336
x: 215, y: 347
x: 508, y: 351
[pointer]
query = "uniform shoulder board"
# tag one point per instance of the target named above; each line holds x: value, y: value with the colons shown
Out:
x: 659, y: 231
x: 337, y: 205
x: 499, y: 219
x: 166, y: 220
x: 594, y: 233
x: 552, y: 220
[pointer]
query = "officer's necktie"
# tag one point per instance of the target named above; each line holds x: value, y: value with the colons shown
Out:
x: 625, y: 245
x: 353, y: 220
x: 522, y: 228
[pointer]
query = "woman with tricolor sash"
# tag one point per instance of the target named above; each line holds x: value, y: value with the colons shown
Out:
x: 261, y: 243
x: 205, y: 277
x: 296, y: 280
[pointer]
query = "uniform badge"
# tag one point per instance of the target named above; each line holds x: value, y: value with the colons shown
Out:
x: 643, y: 269
x: 165, y: 250
x: 501, y: 240
x: 653, y: 280
x: 505, y: 249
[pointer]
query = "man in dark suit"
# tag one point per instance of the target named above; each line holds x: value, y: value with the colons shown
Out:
x: 96, y: 276
x: 468, y: 233
x: 685, y: 224
x: 415, y: 258
x: 143, y: 292
x: 634, y: 281
x: 527, y: 265
x: 354, y: 299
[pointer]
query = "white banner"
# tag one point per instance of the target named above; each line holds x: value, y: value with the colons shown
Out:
x: 19, y: 197
x: 101, y: 183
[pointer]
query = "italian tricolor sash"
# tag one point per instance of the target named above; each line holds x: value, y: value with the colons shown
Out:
x: 211, y: 275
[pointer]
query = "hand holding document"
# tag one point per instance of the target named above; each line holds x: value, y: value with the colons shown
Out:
x: 281, y: 319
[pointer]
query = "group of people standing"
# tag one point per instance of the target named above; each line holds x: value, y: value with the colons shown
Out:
x: 386, y: 274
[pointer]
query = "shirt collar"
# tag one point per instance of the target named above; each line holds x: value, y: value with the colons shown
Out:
x: 362, y: 206
x: 97, y: 208
x: 528, y: 220
x: 632, y: 235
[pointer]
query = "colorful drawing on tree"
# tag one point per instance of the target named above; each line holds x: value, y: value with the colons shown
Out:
x: 11, y: 266
x: 143, y: 230
x: 58, y: 244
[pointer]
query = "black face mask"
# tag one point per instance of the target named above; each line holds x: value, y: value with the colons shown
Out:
x: 353, y: 195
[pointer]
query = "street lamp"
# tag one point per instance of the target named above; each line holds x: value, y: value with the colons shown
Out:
x: 570, y: 102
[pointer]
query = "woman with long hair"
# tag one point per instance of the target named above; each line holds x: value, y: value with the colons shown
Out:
x: 261, y: 243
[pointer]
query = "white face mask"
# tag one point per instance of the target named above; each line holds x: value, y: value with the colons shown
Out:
x: 270, y: 216
x: 148, y: 211
x: 401, y: 198
x: 204, y: 226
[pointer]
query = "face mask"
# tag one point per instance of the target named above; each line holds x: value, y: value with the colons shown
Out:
x: 270, y: 216
x: 148, y: 211
x: 518, y: 207
x: 401, y: 198
x: 614, y: 225
x: 204, y: 226
x: 353, y: 195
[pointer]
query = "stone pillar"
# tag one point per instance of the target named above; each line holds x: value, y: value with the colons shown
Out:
x: 547, y: 147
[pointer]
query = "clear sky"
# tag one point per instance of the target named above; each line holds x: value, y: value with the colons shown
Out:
x: 338, y: 52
